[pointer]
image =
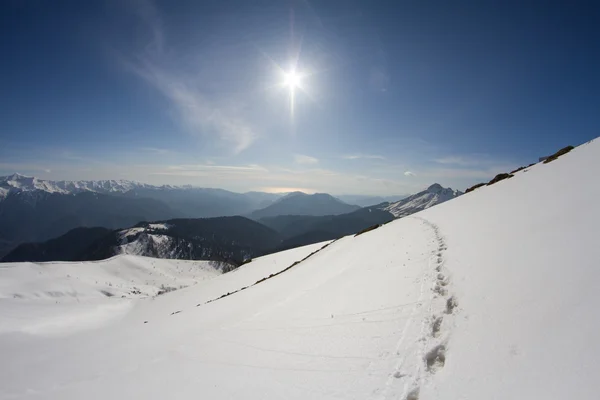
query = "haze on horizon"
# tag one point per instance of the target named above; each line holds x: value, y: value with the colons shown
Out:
x: 343, y: 97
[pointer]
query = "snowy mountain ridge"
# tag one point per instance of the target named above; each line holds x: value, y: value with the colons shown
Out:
x: 434, y: 194
x: 17, y: 183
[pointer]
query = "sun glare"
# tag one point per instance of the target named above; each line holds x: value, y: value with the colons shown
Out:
x: 292, y: 80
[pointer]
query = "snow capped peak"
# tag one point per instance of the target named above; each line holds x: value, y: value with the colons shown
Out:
x: 435, y: 188
x: 17, y: 183
x: 434, y: 194
x: 16, y: 177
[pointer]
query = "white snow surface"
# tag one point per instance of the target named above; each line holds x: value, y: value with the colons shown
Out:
x: 54, y: 297
x: 119, y: 276
x: 433, y: 195
x: 489, y: 296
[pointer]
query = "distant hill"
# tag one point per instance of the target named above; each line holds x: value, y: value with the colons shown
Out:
x: 68, y: 247
x: 298, y: 203
x: 230, y: 239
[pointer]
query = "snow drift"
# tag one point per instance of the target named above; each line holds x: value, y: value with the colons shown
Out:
x: 490, y: 295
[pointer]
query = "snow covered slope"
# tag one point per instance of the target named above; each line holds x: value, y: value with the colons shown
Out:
x: 489, y: 296
x: 128, y: 276
x: 58, y: 298
x: 434, y: 194
x: 69, y: 296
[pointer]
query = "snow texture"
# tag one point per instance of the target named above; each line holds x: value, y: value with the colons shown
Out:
x: 488, y: 296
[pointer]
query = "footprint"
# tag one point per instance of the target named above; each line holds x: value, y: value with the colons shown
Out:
x: 451, y: 304
x: 442, y: 280
x: 436, y: 358
x: 441, y: 290
x: 436, y: 326
x: 413, y: 394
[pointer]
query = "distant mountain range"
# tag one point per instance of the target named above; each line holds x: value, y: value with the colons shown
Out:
x: 17, y: 183
x: 231, y: 239
x: 188, y: 201
x: 33, y: 210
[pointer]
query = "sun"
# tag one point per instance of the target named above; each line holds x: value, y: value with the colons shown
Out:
x: 291, y: 80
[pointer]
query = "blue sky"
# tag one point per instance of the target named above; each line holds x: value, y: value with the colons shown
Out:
x: 394, y: 95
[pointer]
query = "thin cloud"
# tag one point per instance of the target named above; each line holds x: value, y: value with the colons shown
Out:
x: 409, y: 173
x: 239, y: 178
x: 453, y: 160
x: 157, y: 151
x: 475, y: 160
x: 305, y: 160
x: 363, y: 156
x: 462, y: 173
x: 22, y: 167
x: 195, y: 110
x: 175, y: 169
x: 148, y: 13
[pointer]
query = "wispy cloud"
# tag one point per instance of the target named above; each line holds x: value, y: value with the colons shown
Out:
x: 305, y: 160
x: 195, y: 110
x: 24, y: 168
x: 203, y: 169
x: 230, y: 176
x: 461, y: 173
x: 409, y: 173
x: 473, y: 160
x: 363, y: 156
x: 453, y: 160
x: 148, y: 13
x: 157, y: 151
